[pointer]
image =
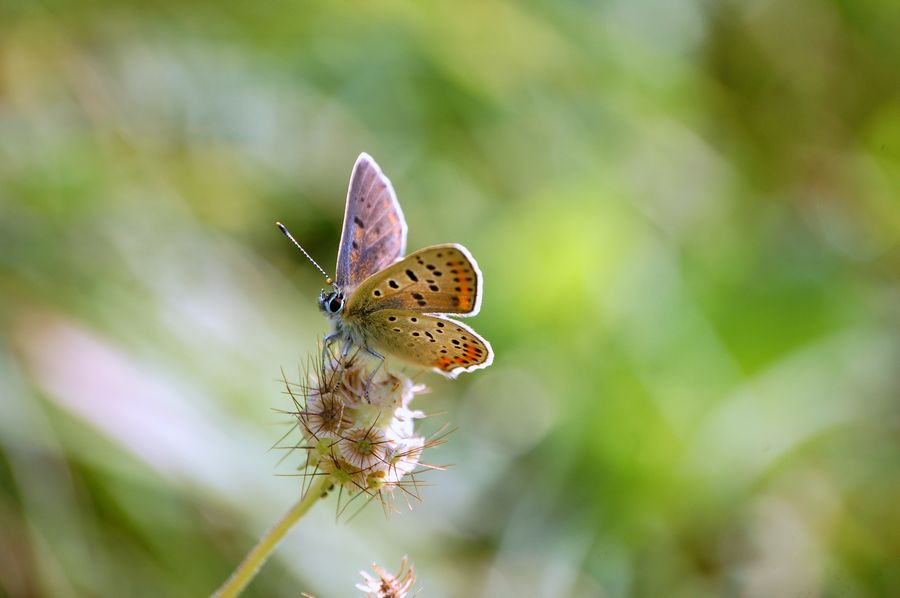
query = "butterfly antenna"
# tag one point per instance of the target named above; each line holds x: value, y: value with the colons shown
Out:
x: 281, y: 227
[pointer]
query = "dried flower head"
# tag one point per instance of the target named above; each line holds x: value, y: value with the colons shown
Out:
x: 359, y: 428
x: 387, y: 585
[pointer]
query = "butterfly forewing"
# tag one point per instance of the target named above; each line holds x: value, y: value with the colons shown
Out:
x: 448, y: 346
x: 443, y: 279
x: 374, y: 234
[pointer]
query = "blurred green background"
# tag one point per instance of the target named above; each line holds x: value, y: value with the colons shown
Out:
x: 686, y: 213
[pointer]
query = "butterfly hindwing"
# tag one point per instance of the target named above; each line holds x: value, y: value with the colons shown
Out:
x: 448, y: 346
x: 443, y: 279
x: 374, y: 233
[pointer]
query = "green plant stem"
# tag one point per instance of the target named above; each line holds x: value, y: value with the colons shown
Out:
x: 248, y: 568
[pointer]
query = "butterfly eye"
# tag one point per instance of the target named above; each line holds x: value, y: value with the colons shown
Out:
x: 335, y: 304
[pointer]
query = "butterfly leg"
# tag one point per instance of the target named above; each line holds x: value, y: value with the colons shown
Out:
x: 380, y: 359
x: 326, y: 346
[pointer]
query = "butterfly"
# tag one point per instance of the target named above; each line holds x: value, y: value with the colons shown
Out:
x: 391, y: 305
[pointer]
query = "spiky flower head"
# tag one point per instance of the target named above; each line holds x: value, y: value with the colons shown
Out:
x: 387, y: 585
x: 358, y: 427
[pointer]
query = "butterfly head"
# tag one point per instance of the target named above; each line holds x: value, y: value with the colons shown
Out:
x: 331, y: 302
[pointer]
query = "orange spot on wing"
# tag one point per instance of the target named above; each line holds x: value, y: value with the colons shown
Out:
x: 443, y: 363
x: 472, y: 355
x: 465, y: 298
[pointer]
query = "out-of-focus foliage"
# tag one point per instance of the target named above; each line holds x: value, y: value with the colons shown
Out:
x: 687, y: 216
